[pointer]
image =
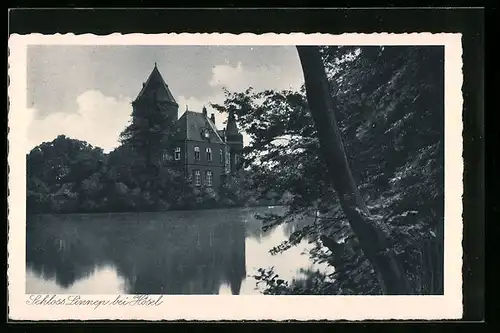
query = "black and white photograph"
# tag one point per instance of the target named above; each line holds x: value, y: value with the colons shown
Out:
x: 155, y: 170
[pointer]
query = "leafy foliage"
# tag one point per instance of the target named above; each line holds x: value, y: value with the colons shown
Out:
x: 61, y: 174
x: 68, y: 176
x: 390, y: 109
x: 150, y: 132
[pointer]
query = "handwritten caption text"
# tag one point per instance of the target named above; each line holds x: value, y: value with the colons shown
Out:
x: 77, y: 300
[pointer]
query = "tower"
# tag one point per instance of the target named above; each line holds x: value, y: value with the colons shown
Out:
x: 234, y: 140
x: 154, y: 119
x: 155, y: 96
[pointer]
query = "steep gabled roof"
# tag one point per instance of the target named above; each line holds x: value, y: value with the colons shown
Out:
x: 191, y: 125
x: 156, y: 89
x: 222, y: 133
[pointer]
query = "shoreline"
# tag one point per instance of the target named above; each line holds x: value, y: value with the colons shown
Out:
x: 157, y: 212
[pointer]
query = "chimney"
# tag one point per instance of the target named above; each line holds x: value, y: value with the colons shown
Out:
x: 212, y: 118
x: 204, y: 111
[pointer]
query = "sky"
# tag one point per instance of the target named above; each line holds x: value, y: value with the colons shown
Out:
x: 84, y: 92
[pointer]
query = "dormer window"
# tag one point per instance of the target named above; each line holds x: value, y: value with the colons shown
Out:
x: 197, y: 153
x: 205, y: 133
x: 209, y: 154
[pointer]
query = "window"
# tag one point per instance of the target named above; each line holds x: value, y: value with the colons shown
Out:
x: 177, y: 153
x: 209, y: 178
x: 209, y: 154
x: 228, y: 160
x: 221, y: 156
x: 165, y: 156
x: 197, y: 153
x: 236, y: 160
x: 197, y: 177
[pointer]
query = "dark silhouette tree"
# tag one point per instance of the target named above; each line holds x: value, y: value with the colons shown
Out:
x: 58, y: 171
x: 390, y: 112
x: 150, y: 133
x: 372, y: 238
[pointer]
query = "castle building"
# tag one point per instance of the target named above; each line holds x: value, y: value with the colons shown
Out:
x: 202, y: 152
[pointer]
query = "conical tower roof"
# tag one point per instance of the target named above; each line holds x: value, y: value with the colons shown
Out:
x: 156, y: 89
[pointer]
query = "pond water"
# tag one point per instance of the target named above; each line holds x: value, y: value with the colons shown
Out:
x: 182, y: 252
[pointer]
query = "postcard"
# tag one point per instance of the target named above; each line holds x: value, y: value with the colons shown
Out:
x: 235, y: 177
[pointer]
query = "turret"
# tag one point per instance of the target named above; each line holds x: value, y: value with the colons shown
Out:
x: 234, y: 139
x: 232, y: 128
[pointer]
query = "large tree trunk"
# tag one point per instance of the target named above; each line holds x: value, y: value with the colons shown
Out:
x: 372, y: 240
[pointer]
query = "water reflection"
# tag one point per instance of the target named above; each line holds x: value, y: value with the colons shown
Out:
x: 104, y: 280
x: 201, y: 252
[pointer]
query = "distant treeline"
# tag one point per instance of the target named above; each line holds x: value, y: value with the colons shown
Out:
x: 72, y: 176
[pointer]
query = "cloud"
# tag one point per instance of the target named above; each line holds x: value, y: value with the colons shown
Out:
x: 98, y: 120
x: 195, y: 104
x: 239, y: 78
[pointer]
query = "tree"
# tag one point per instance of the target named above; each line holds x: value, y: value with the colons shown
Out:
x: 390, y: 103
x: 150, y: 132
x: 390, y: 112
x: 372, y: 238
x: 148, y: 142
x: 157, y: 187
x: 59, y: 172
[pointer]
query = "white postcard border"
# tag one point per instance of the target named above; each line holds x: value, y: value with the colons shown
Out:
x: 259, y: 307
